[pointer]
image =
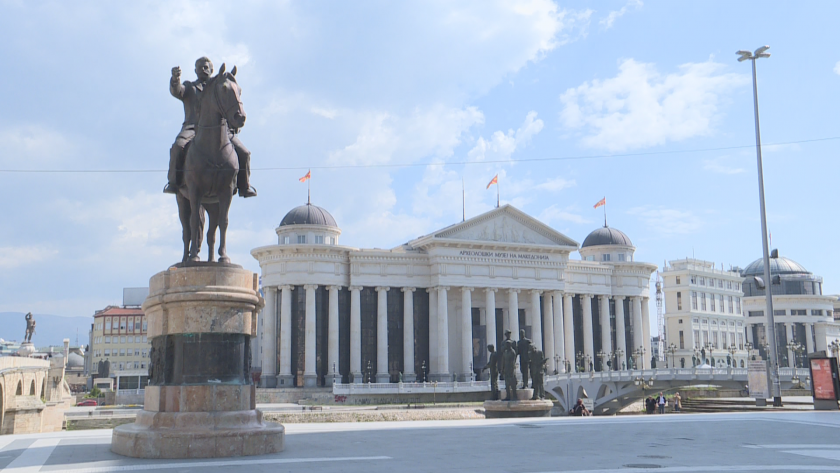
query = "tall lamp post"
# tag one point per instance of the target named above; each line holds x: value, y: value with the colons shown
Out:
x: 773, y: 381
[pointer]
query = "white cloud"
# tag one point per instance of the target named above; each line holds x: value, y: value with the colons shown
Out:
x: 722, y: 165
x: 502, y: 145
x: 556, y: 184
x: 608, y: 21
x: 35, y: 146
x: 640, y: 108
x: 562, y: 214
x: 837, y: 68
x: 668, y: 222
x: 15, y: 256
x: 324, y: 112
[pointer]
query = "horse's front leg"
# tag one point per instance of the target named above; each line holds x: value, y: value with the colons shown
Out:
x: 196, y: 218
x: 224, y: 207
x: 212, y: 224
x: 184, y: 216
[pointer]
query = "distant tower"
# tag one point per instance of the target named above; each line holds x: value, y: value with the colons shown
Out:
x: 660, y: 315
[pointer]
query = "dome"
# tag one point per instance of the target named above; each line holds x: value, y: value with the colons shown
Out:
x: 778, y: 265
x: 606, y: 236
x: 75, y: 361
x: 308, y: 215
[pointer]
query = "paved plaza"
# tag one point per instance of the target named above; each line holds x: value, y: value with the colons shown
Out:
x: 792, y: 441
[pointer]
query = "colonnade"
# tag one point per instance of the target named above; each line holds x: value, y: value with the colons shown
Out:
x: 549, y: 312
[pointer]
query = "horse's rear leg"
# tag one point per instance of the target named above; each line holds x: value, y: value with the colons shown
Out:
x: 224, y: 208
x: 212, y: 225
x: 195, y: 224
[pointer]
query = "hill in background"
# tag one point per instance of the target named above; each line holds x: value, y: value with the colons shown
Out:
x: 49, y: 329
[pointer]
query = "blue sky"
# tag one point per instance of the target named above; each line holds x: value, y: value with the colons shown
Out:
x: 647, y: 97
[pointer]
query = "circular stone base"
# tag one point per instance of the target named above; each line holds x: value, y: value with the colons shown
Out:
x: 505, y: 409
x: 26, y: 349
x: 522, y: 394
x: 198, y: 435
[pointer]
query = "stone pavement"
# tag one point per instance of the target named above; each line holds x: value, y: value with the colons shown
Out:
x: 785, y: 441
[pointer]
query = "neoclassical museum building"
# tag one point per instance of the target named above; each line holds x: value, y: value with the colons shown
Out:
x: 427, y: 309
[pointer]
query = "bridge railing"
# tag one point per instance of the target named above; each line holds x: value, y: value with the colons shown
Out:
x: 414, y: 388
x: 13, y: 362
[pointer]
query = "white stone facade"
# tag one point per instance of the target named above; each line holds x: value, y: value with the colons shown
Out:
x: 420, y: 311
x: 704, y: 320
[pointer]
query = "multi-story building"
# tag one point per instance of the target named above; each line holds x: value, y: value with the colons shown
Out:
x: 804, y: 316
x: 703, y: 317
x: 119, y: 336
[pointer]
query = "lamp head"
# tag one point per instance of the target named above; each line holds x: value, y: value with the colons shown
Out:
x: 744, y: 55
x: 760, y: 52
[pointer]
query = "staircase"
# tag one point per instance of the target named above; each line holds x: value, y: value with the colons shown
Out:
x: 738, y: 405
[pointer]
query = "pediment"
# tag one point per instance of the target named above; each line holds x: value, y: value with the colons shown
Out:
x: 504, y: 225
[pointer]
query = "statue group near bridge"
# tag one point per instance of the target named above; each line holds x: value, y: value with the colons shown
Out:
x: 532, y: 363
x: 208, y: 163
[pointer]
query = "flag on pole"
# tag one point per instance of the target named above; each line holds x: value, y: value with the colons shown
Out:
x: 601, y: 202
x: 495, y: 180
x: 306, y: 177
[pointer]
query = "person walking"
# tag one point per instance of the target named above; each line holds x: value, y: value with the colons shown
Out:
x: 677, y: 402
x: 661, y: 401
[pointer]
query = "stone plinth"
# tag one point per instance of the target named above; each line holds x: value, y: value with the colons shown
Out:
x: 200, y: 402
x: 506, y: 409
x: 521, y: 394
x: 26, y: 349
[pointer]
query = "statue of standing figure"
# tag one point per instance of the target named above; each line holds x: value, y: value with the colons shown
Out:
x: 30, y: 327
x: 509, y: 366
x: 493, y: 365
x: 537, y: 360
x: 523, y: 349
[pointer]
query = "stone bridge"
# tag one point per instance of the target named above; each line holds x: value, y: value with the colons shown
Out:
x: 612, y: 391
x: 33, y: 395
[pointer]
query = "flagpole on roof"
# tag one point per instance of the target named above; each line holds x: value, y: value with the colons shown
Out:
x: 308, y: 191
x: 463, y: 201
x: 497, y: 192
x: 605, y: 211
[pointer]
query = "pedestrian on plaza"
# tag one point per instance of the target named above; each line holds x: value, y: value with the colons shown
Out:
x: 677, y: 402
x: 661, y: 401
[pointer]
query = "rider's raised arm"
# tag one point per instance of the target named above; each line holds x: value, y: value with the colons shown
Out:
x: 176, y: 88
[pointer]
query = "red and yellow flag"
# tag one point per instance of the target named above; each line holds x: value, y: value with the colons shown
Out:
x: 601, y: 202
x: 306, y: 177
x: 495, y: 180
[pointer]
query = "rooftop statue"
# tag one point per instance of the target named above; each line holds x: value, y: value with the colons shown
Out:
x: 208, y: 164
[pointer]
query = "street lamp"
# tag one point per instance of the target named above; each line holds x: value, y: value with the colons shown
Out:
x: 731, y: 361
x: 774, y: 383
x: 602, y: 356
x: 672, y: 350
x: 619, y: 361
x: 556, y: 364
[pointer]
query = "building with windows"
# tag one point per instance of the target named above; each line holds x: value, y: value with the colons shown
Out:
x: 804, y: 316
x: 703, y: 315
x: 119, y: 336
x: 426, y: 309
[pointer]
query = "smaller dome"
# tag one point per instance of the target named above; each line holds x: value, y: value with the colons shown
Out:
x: 778, y: 265
x: 75, y: 361
x: 308, y: 215
x: 606, y: 236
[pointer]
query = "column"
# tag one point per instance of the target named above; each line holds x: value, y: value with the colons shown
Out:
x: 310, y: 375
x: 434, y: 362
x: 332, y: 339
x: 559, y: 331
x: 382, y: 375
x: 638, y: 334
x: 268, y: 378
x: 466, y: 334
x: 548, y: 326
x: 620, y: 332
x: 442, y: 335
x: 790, y: 337
x: 569, y: 328
x: 646, y: 331
x: 408, y: 335
x: 355, y: 334
x: 606, y: 335
x: 285, y: 378
x: 513, y: 313
x: 809, y: 338
x: 588, y: 338
x: 490, y: 317
x: 536, y: 324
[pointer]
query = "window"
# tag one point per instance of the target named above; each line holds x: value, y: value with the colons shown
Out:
x: 144, y: 338
x: 605, y: 257
x: 702, y: 281
x: 737, y: 305
x: 720, y: 299
x: 695, y: 320
x: 621, y: 257
x: 720, y: 283
x: 678, y: 279
x: 755, y: 313
x: 107, y: 352
x: 136, y: 352
x: 737, y: 286
x: 682, y: 340
x: 286, y: 240
x: 301, y: 239
x: 679, y: 300
x: 107, y: 339
x: 130, y: 325
x: 693, y: 279
x: 712, y: 302
x: 122, y: 366
x: 122, y: 351
x: 696, y: 339
x: 798, y: 312
x: 122, y: 323
x: 702, y: 300
x: 332, y: 240
x: 711, y: 282
x: 779, y: 312
x: 731, y: 305
x: 319, y: 239
x: 680, y: 321
x: 122, y: 339
x: 732, y: 339
x: 816, y: 312
x: 107, y: 324
x: 590, y: 258
x: 145, y: 325
x: 142, y: 365
x: 729, y: 284
x: 144, y: 353
x: 136, y: 364
x: 694, y: 300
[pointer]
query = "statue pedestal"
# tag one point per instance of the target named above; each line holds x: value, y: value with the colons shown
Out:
x: 508, y: 409
x: 26, y: 349
x: 200, y: 402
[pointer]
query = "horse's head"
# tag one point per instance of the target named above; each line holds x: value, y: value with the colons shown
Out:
x: 226, y: 92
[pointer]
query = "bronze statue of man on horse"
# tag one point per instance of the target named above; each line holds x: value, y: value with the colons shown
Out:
x: 208, y: 164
